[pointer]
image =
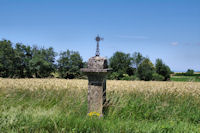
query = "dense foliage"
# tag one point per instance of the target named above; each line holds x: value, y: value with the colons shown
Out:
x: 6, y: 59
x: 134, y: 67
x: 24, y: 61
x: 162, y: 69
x: 69, y: 64
x: 145, y: 70
x: 121, y: 64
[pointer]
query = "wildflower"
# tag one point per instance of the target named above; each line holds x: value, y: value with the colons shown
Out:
x: 94, y: 114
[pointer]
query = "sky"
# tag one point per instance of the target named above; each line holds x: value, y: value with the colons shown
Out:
x: 165, y: 29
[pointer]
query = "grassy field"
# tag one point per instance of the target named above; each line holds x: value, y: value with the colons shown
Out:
x: 194, y: 78
x: 58, y: 105
x: 186, y: 78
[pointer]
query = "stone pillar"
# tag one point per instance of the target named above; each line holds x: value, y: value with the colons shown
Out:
x: 96, y: 72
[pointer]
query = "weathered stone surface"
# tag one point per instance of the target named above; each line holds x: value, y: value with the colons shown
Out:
x: 97, y: 62
x: 96, y: 72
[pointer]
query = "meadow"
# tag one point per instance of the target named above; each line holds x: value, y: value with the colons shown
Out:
x: 60, y: 105
x: 192, y: 78
x: 185, y: 78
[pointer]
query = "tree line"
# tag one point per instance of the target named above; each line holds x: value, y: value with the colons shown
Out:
x: 136, y: 66
x: 189, y: 72
x: 24, y: 61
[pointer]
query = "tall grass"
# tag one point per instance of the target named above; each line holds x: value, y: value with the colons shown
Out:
x: 58, y: 105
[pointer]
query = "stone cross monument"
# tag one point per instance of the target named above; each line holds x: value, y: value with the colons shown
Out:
x: 96, y: 72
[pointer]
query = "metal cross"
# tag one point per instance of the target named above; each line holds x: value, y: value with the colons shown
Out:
x: 98, y: 39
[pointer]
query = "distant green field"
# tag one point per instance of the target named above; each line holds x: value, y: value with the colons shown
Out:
x: 186, y: 78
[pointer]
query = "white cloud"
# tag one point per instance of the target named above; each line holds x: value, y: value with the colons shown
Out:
x: 174, y: 43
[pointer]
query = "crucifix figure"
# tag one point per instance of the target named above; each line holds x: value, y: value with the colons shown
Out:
x: 98, y: 39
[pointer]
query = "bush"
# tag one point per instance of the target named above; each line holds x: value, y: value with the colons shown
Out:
x: 189, y: 72
x: 113, y: 75
x: 158, y: 77
x: 127, y: 77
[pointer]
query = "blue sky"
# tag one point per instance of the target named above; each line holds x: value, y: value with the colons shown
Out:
x: 166, y: 29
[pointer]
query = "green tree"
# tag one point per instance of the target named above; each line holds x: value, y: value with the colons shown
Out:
x: 137, y: 59
x: 69, y: 64
x: 23, y: 55
x: 19, y: 63
x: 6, y: 59
x: 121, y: 64
x: 28, y: 56
x: 145, y: 70
x: 42, y: 62
x: 162, y: 69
